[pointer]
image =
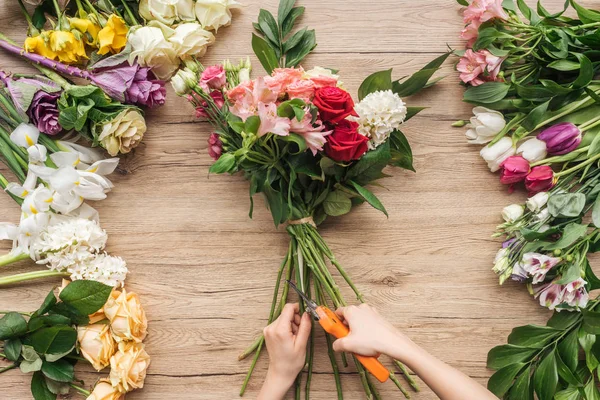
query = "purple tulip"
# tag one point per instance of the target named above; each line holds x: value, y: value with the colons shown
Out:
x: 561, y: 138
x: 43, y: 112
x: 146, y: 91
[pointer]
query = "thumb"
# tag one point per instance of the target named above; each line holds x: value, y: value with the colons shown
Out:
x: 341, y: 344
x: 303, y: 331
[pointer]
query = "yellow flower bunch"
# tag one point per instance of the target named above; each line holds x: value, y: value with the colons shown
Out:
x: 113, y: 37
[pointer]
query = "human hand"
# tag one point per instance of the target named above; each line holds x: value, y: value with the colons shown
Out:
x: 370, y: 334
x: 286, y: 340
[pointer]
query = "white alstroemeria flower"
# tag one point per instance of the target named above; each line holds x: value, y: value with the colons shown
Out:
x: 535, y: 203
x: 512, y: 213
x: 191, y: 40
x: 25, y: 135
x: 103, y: 268
x: 496, y: 154
x: 213, y: 14
x: 533, y: 150
x: 485, y: 124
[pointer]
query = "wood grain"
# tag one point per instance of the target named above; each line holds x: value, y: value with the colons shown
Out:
x: 205, y: 271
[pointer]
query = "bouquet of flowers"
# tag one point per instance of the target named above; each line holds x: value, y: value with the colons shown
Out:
x: 302, y: 142
x: 531, y: 77
x: 88, y: 322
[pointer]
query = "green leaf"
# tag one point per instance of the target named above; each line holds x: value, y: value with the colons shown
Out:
x: 586, y: 72
x: 501, y: 381
x: 521, y: 390
x: 419, y: 79
x: 85, y: 296
x: 532, y: 336
x: 12, y: 349
x: 60, y: 371
x: 337, y: 203
x: 290, y: 20
x: 570, y: 273
x: 39, y: 388
x: 298, y: 140
x: 591, y: 277
x: 378, y: 81
x: 81, y: 91
x: 284, y: 10
x: 48, y: 303
x: 268, y: 26
x: 307, y: 43
x: 294, y: 40
x: 412, y: 111
x: 369, y: 197
x: 567, y: 374
x: 562, y: 320
x: 31, y: 360
x: 570, y: 393
x: 529, y: 13
x: 502, y: 356
x: 571, y: 234
x: 463, y: 2
x: 12, y: 325
x: 545, y: 377
x: 489, y: 92
x: 225, y: 163
x: 265, y: 54
x: 591, y: 390
x: 566, y: 205
x: 36, y: 323
x: 400, y: 151
x: 535, y: 116
x: 587, y: 16
x: 54, y: 339
x: 57, y: 387
x: 369, y: 167
x: 252, y: 124
x: 591, y: 322
x: 70, y: 312
x: 277, y: 204
x: 564, y: 65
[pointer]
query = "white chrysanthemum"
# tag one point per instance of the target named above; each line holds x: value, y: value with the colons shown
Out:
x: 68, y: 241
x: 103, y: 268
x: 379, y: 114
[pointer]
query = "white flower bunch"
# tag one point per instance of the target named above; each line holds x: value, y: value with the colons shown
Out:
x: 379, y: 114
x: 211, y: 14
x: 104, y: 268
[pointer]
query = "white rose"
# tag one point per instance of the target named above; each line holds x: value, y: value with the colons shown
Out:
x: 185, y: 10
x: 512, y: 213
x: 191, y: 40
x: 164, y: 11
x: 485, y: 124
x: 123, y: 133
x: 533, y: 150
x: 212, y: 14
x: 496, y: 154
x: 538, y: 201
x: 152, y: 49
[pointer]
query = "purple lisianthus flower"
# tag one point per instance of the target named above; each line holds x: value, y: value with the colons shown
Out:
x: 43, y: 112
x: 145, y: 90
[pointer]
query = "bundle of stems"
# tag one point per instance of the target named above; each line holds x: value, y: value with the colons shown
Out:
x: 306, y: 263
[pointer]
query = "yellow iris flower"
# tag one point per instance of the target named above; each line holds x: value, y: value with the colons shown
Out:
x: 67, y: 47
x: 88, y: 29
x: 40, y: 44
x: 113, y: 37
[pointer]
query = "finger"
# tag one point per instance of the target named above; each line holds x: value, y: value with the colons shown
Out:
x: 297, y: 318
x: 303, y: 331
x: 340, y: 345
x: 340, y: 313
x: 294, y: 329
x: 287, y: 314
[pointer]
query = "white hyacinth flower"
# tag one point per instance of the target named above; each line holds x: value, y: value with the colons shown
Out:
x: 379, y: 114
x: 103, y: 268
x: 68, y: 241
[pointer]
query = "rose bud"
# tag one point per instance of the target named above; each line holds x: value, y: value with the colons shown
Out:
x: 540, y: 179
x: 345, y: 143
x: 334, y: 104
x: 561, y: 138
x: 514, y: 169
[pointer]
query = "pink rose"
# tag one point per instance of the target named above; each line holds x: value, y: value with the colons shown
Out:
x: 302, y: 89
x: 484, y: 10
x: 478, y: 67
x: 323, y: 81
x: 213, y: 78
x: 281, y: 78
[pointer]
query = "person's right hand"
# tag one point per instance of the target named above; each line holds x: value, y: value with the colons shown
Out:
x: 370, y: 334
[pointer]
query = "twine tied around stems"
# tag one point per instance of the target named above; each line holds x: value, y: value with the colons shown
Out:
x: 301, y: 221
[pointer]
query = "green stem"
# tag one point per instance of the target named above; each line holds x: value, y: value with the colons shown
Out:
x: 590, y: 126
x: 330, y: 352
x: 557, y: 159
x: 11, y: 109
x: 394, y: 379
x: 578, y: 166
x: 252, y: 366
x: 4, y: 135
x: 568, y: 110
x: 363, y: 378
x: 25, y: 13
x: 9, y: 280
x: 8, y: 368
x: 129, y: 13
x: 80, y: 389
x: 10, y: 258
x: 407, y: 376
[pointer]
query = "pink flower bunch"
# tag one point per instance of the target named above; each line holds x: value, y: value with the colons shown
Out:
x: 477, y: 67
x: 262, y: 96
x: 478, y: 12
x: 572, y: 294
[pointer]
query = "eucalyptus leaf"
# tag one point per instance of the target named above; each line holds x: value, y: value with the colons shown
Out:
x: 566, y: 205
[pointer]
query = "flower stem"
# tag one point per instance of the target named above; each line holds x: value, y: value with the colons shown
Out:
x: 129, y: 13
x: 407, y: 376
x: 578, y: 166
x: 25, y: 13
x: 252, y: 366
x: 80, y: 389
x: 12, y: 258
x: 8, y: 368
x: 30, y: 276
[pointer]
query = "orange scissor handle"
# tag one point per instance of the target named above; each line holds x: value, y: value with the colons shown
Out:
x: 332, y: 325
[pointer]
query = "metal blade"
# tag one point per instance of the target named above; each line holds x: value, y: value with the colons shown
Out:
x: 311, y: 305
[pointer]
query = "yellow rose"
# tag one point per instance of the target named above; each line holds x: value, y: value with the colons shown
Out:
x: 40, y: 45
x: 128, y: 366
x: 122, y: 133
x: 88, y: 29
x: 126, y: 315
x: 113, y: 37
x: 105, y: 391
x: 67, y: 47
x: 96, y: 344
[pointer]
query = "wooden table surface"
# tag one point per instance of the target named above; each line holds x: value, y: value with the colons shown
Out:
x: 205, y: 271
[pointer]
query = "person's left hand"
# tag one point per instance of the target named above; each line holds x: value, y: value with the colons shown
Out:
x: 286, y: 340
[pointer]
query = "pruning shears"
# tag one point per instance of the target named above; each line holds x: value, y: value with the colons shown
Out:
x: 332, y: 325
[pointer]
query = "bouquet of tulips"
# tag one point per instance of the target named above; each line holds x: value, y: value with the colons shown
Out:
x: 303, y: 143
x: 530, y: 74
x: 88, y: 322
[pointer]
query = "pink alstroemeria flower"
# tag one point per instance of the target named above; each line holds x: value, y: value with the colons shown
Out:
x: 484, y: 10
x: 270, y: 122
x: 248, y: 103
x: 478, y: 67
x: 313, y: 134
x: 470, y: 33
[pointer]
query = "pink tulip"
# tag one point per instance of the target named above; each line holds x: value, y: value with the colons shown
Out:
x: 540, y: 179
x: 514, y: 170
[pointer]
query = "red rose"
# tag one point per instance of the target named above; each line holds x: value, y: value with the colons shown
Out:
x: 345, y: 143
x: 334, y: 104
